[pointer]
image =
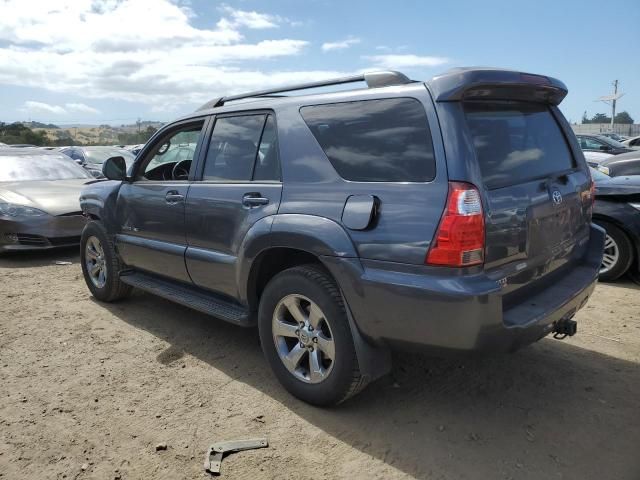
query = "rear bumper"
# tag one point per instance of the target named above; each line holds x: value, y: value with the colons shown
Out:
x: 437, y: 309
x: 40, y: 233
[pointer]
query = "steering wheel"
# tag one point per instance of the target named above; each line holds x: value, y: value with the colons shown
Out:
x: 181, y: 170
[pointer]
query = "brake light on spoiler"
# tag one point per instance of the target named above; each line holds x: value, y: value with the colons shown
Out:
x: 459, y: 241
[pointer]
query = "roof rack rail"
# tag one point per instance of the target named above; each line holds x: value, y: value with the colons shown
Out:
x: 372, y: 79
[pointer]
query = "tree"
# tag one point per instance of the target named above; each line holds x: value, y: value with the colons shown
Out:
x: 623, y: 118
x: 600, y: 118
x: 584, y: 118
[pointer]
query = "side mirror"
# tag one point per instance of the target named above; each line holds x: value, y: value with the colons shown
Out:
x: 605, y: 148
x: 115, y: 168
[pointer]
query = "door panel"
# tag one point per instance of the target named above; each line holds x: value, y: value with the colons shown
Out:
x: 151, y: 208
x: 221, y: 209
x: 153, y: 237
x: 217, y: 222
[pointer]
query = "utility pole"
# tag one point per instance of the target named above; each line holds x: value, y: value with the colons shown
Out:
x: 611, y: 100
x: 138, y: 122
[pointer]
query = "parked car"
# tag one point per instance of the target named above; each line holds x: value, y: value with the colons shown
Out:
x: 623, y: 164
x: 135, y: 149
x: 600, y: 143
x: 617, y: 210
x: 594, y: 158
x: 39, y: 200
x: 614, y: 136
x: 337, y: 224
x: 92, y: 158
x: 633, y: 142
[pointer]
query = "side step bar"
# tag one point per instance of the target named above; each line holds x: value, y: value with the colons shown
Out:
x: 189, y: 296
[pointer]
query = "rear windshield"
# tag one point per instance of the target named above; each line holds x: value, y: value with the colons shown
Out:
x: 384, y: 140
x: 516, y: 142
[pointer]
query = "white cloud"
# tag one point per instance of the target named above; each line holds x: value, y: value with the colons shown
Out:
x: 340, y: 45
x: 144, y: 51
x: 81, y: 108
x: 405, y: 61
x: 33, y: 107
x: 41, y: 107
x: 243, y: 18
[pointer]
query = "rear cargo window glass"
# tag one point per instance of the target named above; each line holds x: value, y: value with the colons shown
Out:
x: 515, y: 142
x: 375, y: 140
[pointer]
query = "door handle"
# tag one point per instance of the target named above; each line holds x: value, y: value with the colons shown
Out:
x: 251, y: 200
x: 174, y: 197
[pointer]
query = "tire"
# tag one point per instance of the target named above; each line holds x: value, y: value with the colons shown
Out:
x: 618, y: 253
x: 107, y: 288
x: 310, y: 287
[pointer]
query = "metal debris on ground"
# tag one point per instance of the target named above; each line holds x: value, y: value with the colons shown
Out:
x: 62, y: 262
x: 213, y: 459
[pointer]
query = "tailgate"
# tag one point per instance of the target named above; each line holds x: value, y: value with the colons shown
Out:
x: 537, y: 199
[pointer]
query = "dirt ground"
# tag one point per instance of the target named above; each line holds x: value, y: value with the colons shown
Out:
x: 87, y: 390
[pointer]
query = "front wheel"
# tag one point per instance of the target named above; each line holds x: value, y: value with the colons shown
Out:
x: 306, y: 338
x: 618, y: 253
x: 101, y: 265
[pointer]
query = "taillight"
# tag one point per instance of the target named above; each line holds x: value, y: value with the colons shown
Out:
x: 459, y: 241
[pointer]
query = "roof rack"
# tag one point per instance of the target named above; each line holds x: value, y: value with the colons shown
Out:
x: 372, y: 79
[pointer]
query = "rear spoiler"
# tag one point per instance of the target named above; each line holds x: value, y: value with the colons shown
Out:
x: 492, y: 83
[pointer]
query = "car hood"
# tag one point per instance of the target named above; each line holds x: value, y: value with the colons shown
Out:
x: 626, y: 185
x: 56, y: 197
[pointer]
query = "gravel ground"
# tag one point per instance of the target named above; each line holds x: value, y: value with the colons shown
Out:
x: 90, y: 389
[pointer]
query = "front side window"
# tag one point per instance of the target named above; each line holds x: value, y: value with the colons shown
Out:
x: 243, y: 148
x: 171, y: 156
x: 384, y: 140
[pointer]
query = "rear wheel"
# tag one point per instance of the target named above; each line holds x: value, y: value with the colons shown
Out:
x: 618, y: 253
x: 101, y: 265
x: 306, y: 338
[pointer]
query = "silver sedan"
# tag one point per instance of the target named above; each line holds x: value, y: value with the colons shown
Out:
x: 39, y: 200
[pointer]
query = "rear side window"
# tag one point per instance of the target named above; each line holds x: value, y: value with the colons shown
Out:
x: 233, y: 148
x: 375, y: 140
x: 516, y: 142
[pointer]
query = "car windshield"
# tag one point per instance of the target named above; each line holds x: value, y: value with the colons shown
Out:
x: 100, y: 155
x: 598, y: 176
x: 610, y: 141
x: 36, y: 167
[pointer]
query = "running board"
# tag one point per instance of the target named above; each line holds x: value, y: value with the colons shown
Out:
x: 189, y: 296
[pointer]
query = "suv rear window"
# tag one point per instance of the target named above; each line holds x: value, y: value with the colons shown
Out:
x: 516, y: 142
x: 375, y: 140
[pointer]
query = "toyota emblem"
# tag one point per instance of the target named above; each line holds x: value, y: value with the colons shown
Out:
x: 557, y: 197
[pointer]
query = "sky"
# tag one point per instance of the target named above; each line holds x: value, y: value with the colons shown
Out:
x: 114, y: 61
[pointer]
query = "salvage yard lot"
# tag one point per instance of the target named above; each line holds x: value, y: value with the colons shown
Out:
x: 89, y: 390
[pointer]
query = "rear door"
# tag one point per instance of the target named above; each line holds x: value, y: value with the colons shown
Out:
x: 537, y: 202
x: 238, y: 184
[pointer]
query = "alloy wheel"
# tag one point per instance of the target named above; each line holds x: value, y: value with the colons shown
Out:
x: 611, y: 254
x: 303, y: 338
x: 95, y: 262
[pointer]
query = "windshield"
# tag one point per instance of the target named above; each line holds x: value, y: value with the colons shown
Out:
x: 99, y: 156
x: 26, y: 168
x: 611, y: 141
x: 597, y: 175
x: 516, y: 142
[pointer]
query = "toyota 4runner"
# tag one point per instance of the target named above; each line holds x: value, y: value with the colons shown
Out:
x: 453, y: 214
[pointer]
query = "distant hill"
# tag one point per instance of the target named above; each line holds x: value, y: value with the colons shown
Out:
x: 33, y: 125
x: 91, y: 134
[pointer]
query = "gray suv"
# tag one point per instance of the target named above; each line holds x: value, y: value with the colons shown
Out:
x: 453, y: 214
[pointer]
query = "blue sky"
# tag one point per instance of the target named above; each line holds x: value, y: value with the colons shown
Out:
x: 112, y: 61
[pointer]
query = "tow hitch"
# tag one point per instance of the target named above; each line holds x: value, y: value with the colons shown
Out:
x: 564, y: 327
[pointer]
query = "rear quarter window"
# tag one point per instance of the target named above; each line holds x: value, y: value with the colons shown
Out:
x: 515, y: 142
x: 384, y: 140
